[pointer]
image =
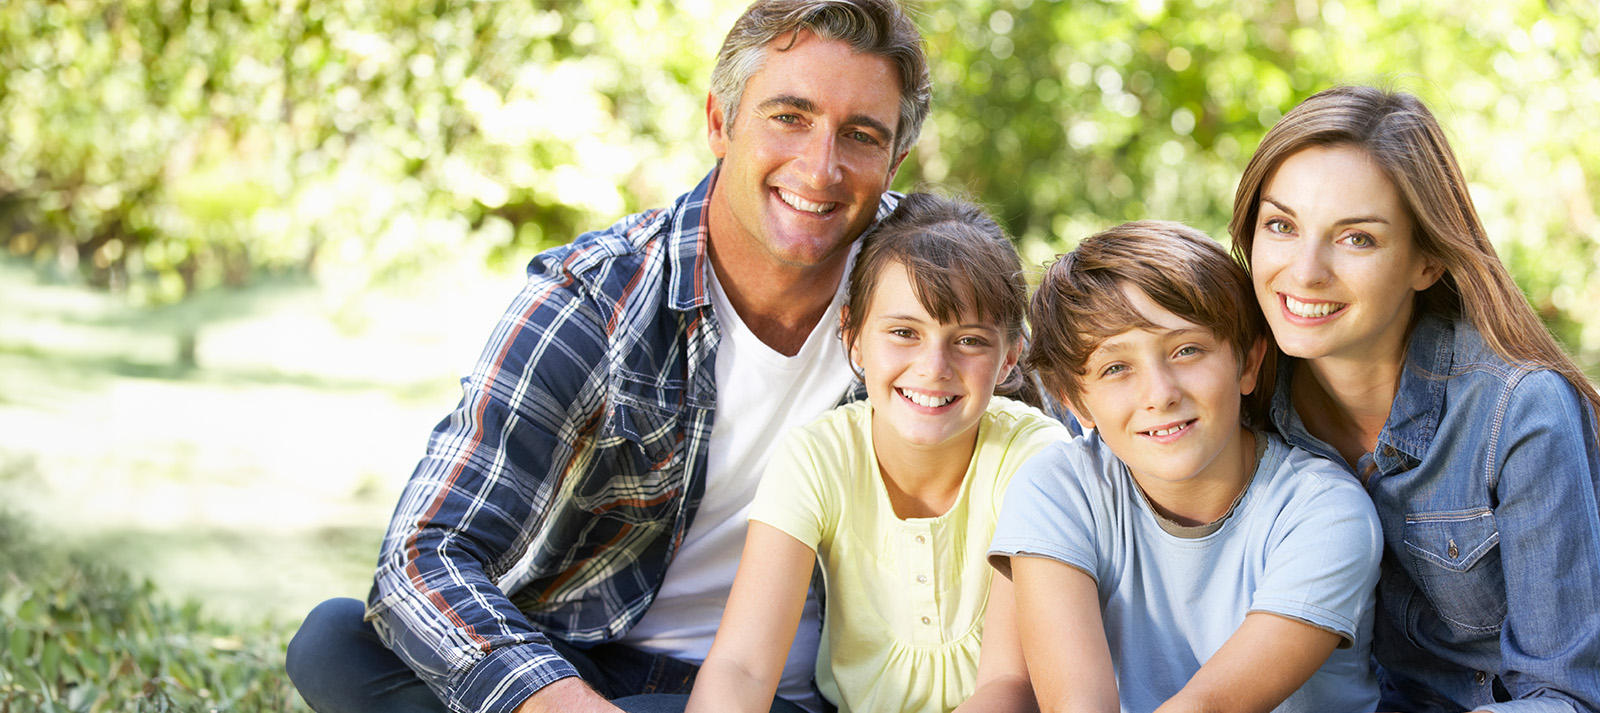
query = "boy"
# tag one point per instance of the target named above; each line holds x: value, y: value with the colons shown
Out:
x: 1176, y: 557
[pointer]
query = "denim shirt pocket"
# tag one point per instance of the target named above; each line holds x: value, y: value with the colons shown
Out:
x: 1455, y: 556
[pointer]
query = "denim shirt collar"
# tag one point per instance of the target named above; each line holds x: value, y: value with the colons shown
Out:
x: 1418, y: 402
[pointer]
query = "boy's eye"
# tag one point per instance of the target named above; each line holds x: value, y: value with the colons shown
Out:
x: 1113, y: 370
x: 1188, y: 350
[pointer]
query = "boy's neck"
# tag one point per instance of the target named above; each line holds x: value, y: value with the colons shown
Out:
x: 1209, y: 496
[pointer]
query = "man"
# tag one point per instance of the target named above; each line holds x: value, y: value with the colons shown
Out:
x: 572, y: 532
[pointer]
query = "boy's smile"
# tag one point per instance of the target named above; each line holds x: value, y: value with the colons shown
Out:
x: 1166, y: 399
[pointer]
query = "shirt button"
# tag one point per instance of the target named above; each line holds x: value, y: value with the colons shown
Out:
x: 922, y: 540
x: 922, y: 579
x: 1480, y: 677
x: 1455, y: 552
x: 1388, y: 451
x: 926, y: 620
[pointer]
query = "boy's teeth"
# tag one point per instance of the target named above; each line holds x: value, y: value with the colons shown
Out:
x: 1307, y: 309
x: 926, y: 400
x: 1167, y: 431
x: 799, y: 203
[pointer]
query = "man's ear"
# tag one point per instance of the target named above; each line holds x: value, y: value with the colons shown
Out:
x: 717, y: 128
x: 895, y: 168
x: 1250, y: 370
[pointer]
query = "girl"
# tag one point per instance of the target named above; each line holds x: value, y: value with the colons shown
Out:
x: 897, y: 496
x: 1415, y: 361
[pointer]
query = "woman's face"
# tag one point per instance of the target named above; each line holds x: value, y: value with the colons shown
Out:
x: 1335, y: 265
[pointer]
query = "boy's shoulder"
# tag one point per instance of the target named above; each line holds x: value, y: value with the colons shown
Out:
x: 1301, y: 484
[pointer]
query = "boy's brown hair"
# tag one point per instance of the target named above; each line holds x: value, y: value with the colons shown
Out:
x: 1080, y: 303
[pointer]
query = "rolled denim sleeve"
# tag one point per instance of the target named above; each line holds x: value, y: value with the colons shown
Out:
x: 1548, y: 518
x: 491, y: 471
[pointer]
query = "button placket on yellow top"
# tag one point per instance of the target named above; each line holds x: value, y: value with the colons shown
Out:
x: 916, y: 543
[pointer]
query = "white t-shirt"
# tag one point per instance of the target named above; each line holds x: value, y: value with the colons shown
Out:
x: 1302, y: 542
x: 761, y: 394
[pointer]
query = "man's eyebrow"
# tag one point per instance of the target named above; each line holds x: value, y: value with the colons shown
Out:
x: 810, y: 107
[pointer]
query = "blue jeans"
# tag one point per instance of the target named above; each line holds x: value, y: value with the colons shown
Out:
x: 339, y: 665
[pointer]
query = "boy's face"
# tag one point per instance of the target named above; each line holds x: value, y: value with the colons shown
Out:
x: 1167, y: 399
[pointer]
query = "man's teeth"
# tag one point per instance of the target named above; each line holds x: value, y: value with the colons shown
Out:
x: 926, y: 400
x: 1168, y: 431
x: 799, y: 203
x: 1308, y: 309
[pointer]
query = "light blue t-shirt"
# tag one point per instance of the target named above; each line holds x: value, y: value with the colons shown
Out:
x: 1302, y: 542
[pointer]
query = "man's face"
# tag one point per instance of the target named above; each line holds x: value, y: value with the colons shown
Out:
x: 808, y: 155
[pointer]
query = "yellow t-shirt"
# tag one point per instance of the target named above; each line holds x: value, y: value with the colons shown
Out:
x: 905, y: 598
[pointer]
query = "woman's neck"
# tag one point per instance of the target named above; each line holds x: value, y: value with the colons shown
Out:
x: 1346, y: 404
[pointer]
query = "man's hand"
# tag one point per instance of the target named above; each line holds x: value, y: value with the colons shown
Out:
x: 568, y: 695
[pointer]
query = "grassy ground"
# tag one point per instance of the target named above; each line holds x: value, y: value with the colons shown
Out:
x: 252, y: 484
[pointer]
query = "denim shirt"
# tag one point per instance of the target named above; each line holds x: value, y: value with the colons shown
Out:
x: 1486, y: 479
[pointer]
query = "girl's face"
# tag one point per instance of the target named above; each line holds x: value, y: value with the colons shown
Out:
x: 1335, y: 266
x: 928, y: 381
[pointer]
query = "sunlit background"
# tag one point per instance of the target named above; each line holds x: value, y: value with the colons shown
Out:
x: 250, y: 245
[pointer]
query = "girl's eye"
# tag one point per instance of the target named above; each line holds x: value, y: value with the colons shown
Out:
x: 902, y: 332
x: 972, y: 341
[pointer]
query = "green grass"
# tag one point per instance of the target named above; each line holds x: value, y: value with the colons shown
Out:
x: 83, y: 635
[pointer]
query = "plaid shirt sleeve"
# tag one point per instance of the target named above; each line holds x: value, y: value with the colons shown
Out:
x: 491, y: 473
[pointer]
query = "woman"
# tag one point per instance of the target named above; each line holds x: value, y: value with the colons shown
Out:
x: 1413, y: 359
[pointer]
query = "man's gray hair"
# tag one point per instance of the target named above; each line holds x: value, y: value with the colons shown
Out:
x: 874, y: 27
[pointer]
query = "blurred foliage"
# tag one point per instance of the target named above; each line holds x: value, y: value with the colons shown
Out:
x: 80, y: 635
x: 165, y: 146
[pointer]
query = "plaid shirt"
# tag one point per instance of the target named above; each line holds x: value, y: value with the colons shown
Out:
x: 552, y: 499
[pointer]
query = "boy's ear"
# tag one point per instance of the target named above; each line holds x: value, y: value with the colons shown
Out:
x: 1250, y: 370
x: 1078, y: 412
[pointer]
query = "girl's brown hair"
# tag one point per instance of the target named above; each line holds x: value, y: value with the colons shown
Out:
x: 958, y: 258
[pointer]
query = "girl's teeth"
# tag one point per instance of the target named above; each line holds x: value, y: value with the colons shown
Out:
x: 926, y: 400
x: 1311, y: 310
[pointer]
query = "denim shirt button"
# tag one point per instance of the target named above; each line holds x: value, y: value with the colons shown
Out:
x: 1388, y: 451
x: 1455, y: 552
x: 1480, y: 677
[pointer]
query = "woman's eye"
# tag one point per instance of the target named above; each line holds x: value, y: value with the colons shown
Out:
x: 1361, y: 240
x: 1278, y: 226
